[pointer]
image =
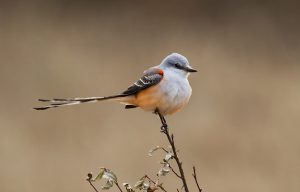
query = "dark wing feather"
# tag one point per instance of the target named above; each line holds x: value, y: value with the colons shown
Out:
x: 150, y: 78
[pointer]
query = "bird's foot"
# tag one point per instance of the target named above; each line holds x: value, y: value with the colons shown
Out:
x: 164, y: 128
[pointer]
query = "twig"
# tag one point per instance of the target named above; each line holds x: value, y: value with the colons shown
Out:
x: 93, y: 186
x: 195, y: 177
x: 161, y: 187
x: 170, y: 138
x: 90, y: 182
x: 179, y: 164
x: 174, y: 172
x: 164, y: 150
x: 118, y: 187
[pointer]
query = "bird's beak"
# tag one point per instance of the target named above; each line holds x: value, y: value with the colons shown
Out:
x: 191, y: 70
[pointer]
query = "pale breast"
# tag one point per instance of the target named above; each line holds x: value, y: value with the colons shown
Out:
x: 169, y: 96
x: 177, y: 94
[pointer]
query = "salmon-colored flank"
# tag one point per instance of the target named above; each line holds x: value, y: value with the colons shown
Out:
x: 160, y: 71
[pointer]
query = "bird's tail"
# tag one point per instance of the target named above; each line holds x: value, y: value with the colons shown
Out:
x: 54, y: 103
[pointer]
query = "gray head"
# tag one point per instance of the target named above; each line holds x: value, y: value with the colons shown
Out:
x: 178, y: 63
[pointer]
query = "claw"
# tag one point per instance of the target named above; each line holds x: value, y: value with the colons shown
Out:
x: 164, y: 128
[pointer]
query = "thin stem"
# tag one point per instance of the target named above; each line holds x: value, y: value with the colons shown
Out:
x: 195, y: 178
x: 90, y: 182
x: 174, y: 172
x: 93, y: 186
x: 164, y: 150
x: 161, y: 187
x: 165, y: 130
x: 118, y: 187
x: 179, y: 164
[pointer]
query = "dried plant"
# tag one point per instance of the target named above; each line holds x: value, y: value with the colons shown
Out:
x: 145, y: 183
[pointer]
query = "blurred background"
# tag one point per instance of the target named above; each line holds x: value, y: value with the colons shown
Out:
x: 240, y: 129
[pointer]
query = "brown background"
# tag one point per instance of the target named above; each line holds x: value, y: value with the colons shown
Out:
x: 241, y: 127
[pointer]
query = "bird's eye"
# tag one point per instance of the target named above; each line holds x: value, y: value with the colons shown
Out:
x: 177, y: 65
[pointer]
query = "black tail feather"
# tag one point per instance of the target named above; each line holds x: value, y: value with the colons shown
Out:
x: 57, y: 102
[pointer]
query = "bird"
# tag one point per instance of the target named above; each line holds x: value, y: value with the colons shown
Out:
x: 163, y: 89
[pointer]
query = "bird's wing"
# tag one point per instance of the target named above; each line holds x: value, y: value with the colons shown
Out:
x: 151, y: 77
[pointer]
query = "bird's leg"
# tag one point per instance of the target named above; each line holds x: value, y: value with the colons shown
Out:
x: 164, y: 126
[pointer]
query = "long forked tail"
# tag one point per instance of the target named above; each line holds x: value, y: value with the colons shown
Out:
x: 53, y: 103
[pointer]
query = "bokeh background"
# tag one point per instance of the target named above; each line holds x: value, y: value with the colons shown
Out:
x: 240, y: 129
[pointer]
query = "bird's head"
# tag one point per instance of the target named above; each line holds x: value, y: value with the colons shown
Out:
x: 177, y: 63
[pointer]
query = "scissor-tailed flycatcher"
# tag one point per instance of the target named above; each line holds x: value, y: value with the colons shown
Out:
x: 163, y: 89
